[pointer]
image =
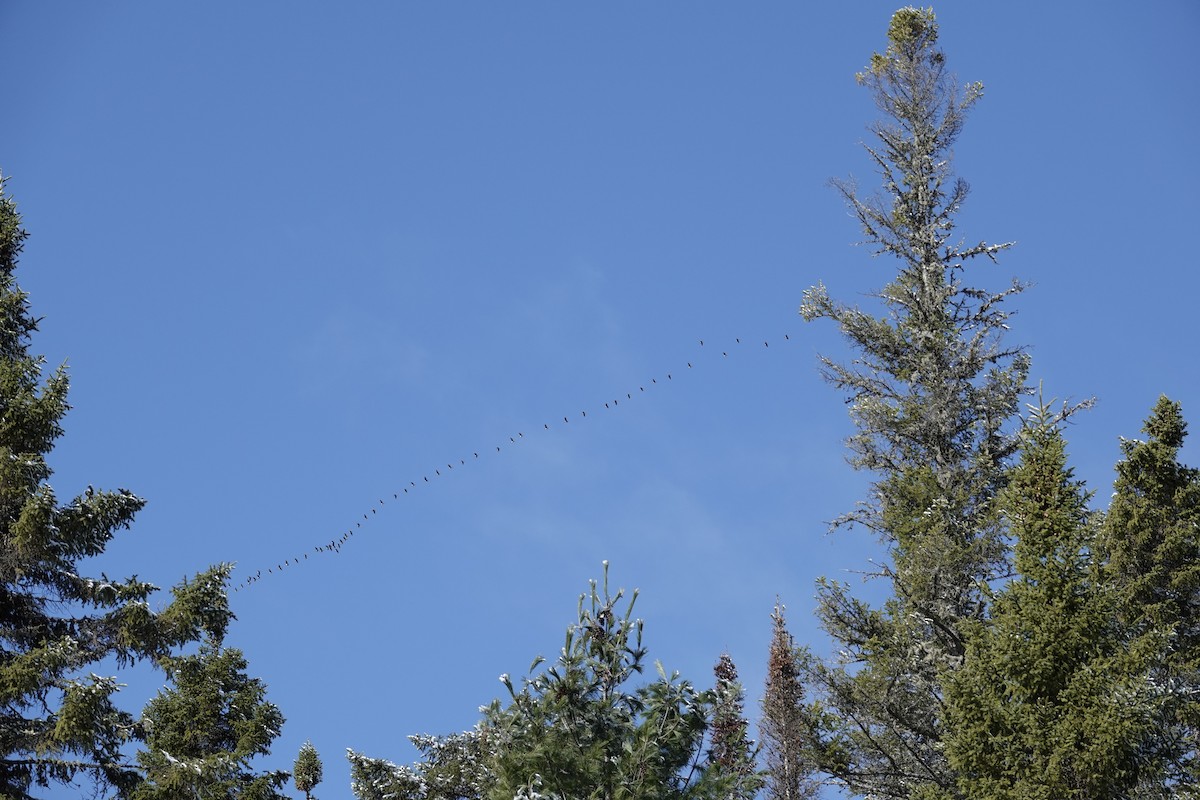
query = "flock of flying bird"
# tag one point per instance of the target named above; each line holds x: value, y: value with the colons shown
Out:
x: 335, y: 545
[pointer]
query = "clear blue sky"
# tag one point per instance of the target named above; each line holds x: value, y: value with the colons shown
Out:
x: 300, y: 254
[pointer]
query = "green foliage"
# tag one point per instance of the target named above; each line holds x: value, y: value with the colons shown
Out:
x: 1080, y: 676
x: 201, y: 734
x: 1152, y: 523
x: 912, y: 34
x: 1151, y: 539
x: 379, y: 779
x: 934, y: 393
x: 58, y: 721
x: 576, y: 729
x: 451, y: 768
x: 1050, y: 701
x: 308, y: 771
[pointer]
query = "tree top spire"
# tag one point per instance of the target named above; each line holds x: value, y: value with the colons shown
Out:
x: 912, y: 34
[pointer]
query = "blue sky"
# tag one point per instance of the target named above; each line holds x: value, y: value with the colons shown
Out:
x: 298, y: 255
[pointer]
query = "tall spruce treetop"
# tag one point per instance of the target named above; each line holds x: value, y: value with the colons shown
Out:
x: 932, y: 387
x: 1152, y: 545
x: 58, y: 723
x: 1153, y: 523
x: 934, y: 392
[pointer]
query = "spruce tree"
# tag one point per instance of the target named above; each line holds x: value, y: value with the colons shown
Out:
x: 58, y: 722
x: 202, y: 732
x: 308, y: 771
x: 933, y: 391
x: 782, y: 725
x: 1050, y: 701
x: 1152, y: 546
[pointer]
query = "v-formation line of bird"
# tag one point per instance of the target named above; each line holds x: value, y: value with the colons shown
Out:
x: 335, y: 545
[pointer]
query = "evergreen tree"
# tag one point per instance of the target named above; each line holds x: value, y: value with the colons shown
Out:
x: 454, y: 767
x: 932, y: 390
x: 732, y: 752
x: 782, y: 723
x: 58, y: 722
x: 308, y: 771
x: 202, y: 734
x: 576, y: 729
x: 1049, y: 703
x: 1152, y: 545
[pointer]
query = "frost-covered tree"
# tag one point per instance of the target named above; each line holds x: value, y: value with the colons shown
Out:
x: 59, y: 723
x: 576, y: 728
x: 308, y: 771
x: 782, y: 725
x: 203, y: 731
x: 1051, y: 701
x: 933, y: 391
x: 454, y: 767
